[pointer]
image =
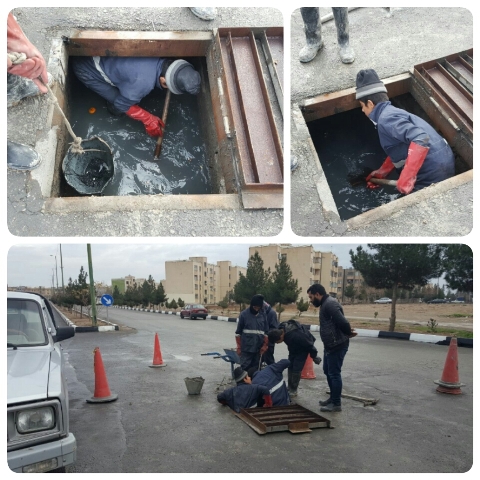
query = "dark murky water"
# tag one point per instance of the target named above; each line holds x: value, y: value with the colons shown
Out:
x: 183, y: 165
x: 347, y: 143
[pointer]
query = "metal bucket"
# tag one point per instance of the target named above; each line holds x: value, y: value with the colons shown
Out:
x: 91, y: 171
x: 194, y: 385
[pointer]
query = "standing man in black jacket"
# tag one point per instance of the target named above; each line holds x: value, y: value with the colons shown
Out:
x: 335, y: 332
x: 300, y: 343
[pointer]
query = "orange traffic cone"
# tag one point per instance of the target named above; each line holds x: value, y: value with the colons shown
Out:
x: 307, y: 371
x: 102, y: 391
x: 449, y: 382
x: 157, y: 354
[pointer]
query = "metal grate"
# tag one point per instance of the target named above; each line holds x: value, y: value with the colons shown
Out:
x: 293, y: 418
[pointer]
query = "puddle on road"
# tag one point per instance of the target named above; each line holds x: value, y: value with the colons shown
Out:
x: 183, y: 166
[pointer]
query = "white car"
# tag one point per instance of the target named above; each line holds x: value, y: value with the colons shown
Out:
x: 38, y: 436
x: 383, y: 300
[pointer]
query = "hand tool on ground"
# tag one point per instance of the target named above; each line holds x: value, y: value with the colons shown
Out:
x: 366, y: 401
x: 158, y: 148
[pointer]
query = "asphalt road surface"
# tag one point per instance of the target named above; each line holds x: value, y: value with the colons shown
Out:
x: 155, y: 426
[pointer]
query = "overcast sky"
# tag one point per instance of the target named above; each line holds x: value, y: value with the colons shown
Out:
x: 33, y: 265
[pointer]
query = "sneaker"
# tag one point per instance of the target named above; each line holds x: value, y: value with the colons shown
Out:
x: 205, y: 13
x: 324, y: 403
x: 331, y: 408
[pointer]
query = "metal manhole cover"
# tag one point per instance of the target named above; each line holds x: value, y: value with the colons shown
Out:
x: 293, y: 418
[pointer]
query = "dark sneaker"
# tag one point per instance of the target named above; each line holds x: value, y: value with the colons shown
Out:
x: 325, y: 402
x: 331, y: 408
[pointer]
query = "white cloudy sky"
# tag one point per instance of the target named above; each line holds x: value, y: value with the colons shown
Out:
x: 32, y: 265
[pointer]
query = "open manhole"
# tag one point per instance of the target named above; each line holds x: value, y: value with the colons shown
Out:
x: 222, y: 149
x: 292, y: 418
x: 439, y: 91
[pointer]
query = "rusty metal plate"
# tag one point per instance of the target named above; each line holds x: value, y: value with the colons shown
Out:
x: 293, y: 418
x: 450, y: 83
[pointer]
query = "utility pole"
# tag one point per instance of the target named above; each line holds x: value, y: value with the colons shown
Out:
x: 93, y: 298
x: 61, y: 268
x: 56, y: 269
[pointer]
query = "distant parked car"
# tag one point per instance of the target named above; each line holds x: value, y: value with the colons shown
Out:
x: 383, y: 300
x: 438, y: 300
x: 194, y: 311
x: 458, y: 300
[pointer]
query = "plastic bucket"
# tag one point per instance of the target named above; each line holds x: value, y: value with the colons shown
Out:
x: 194, y: 385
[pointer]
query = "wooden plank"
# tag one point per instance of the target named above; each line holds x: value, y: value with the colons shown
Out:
x: 139, y: 44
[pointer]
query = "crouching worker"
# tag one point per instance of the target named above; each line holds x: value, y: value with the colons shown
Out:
x: 124, y: 81
x: 300, y: 343
x: 414, y: 148
x: 272, y: 377
x: 245, y: 394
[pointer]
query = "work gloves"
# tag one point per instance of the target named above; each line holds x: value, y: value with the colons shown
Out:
x: 153, y: 125
x: 239, y: 345
x: 33, y: 66
x: 264, y: 347
x: 268, y: 401
x: 382, y: 172
x: 317, y: 360
x: 408, y: 176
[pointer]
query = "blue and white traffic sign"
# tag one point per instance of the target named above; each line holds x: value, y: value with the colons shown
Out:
x: 107, y: 300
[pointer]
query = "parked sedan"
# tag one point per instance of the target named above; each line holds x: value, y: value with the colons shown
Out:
x: 194, y: 311
x: 438, y: 300
x: 383, y: 300
x: 38, y: 435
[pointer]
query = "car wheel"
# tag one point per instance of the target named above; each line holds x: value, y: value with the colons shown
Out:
x: 181, y: 316
x: 193, y: 318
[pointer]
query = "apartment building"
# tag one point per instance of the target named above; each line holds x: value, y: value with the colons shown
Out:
x: 346, y: 277
x: 308, y: 265
x: 227, y: 278
x: 123, y: 284
x: 193, y: 280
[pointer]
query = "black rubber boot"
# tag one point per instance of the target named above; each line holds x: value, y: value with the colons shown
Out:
x: 21, y: 157
x: 293, y: 383
x: 340, y: 14
x: 313, y: 33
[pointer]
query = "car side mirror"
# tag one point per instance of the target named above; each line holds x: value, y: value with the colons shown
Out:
x: 63, y: 333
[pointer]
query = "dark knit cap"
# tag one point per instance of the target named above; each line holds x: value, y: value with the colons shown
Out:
x: 368, y: 83
x: 257, y: 301
x: 181, y: 77
x: 239, y: 374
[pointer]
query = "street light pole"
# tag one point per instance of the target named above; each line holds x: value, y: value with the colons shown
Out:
x: 56, y: 269
x: 93, y: 298
x: 61, y: 268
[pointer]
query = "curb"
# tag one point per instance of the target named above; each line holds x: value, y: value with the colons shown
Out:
x: 413, y: 337
x: 101, y: 328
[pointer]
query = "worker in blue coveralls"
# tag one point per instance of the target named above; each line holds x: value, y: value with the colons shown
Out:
x: 414, y: 148
x: 272, y: 322
x: 272, y: 377
x: 251, y: 333
x: 124, y: 81
x: 245, y: 394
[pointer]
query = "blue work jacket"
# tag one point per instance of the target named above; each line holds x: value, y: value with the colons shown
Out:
x: 252, y: 330
x: 132, y: 77
x: 244, y: 395
x: 272, y: 378
x: 397, y: 128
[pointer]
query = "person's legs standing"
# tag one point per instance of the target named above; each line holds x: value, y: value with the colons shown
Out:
x: 313, y: 33
x: 333, y: 363
x: 340, y: 14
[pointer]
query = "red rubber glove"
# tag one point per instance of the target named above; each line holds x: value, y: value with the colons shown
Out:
x: 416, y: 157
x: 34, y: 66
x: 268, y: 401
x: 153, y: 125
x: 382, y: 172
x: 239, y: 345
x: 264, y: 347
